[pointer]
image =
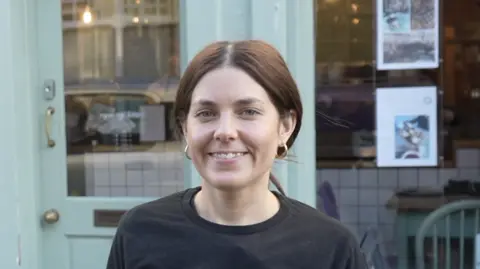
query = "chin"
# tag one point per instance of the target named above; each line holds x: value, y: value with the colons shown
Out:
x: 226, y: 181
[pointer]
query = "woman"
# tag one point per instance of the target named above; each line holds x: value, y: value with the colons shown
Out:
x: 239, y: 109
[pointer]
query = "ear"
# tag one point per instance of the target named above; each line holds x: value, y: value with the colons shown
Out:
x: 287, y: 126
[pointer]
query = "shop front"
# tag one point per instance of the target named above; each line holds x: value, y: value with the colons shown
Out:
x: 88, y: 94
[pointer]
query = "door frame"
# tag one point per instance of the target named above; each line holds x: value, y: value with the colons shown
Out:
x: 25, y: 69
x: 19, y: 194
x: 8, y: 161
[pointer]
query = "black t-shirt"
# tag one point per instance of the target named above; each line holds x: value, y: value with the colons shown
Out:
x: 169, y: 234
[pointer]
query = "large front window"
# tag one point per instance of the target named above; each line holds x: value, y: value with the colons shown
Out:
x: 347, y: 78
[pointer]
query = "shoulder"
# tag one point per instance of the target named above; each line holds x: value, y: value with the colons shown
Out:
x: 146, y: 225
x: 331, y: 239
x: 163, y: 210
x: 318, y: 221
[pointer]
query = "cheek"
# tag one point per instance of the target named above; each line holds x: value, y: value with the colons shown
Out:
x: 198, y: 136
x: 264, y: 136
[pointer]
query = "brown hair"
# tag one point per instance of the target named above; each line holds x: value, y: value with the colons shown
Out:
x: 259, y: 60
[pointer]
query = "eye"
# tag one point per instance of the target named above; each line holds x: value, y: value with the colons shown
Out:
x: 205, y: 114
x: 250, y: 112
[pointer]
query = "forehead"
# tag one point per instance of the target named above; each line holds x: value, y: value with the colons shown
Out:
x: 228, y: 84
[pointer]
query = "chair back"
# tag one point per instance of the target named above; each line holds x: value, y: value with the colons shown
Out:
x: 446, y: 237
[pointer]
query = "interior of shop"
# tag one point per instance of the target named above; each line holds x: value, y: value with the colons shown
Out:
x: 394, y: 200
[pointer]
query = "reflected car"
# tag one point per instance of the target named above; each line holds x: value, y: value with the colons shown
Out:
x: 121, y: 136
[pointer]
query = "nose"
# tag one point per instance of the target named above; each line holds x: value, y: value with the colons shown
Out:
x: 225, y: 130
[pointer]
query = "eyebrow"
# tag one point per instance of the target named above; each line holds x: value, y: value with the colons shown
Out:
x: 244, y: 102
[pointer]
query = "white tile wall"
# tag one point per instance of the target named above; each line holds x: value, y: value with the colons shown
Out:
x: 362, y: 193
x: 144, y: 174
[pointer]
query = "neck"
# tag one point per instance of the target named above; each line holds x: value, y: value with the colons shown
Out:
x: 250, y: 205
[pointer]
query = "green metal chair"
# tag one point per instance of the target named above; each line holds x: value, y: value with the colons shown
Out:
x: 442, y: 240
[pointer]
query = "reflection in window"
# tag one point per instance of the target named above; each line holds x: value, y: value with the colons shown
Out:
x: 101, y: 122
x: 135, y: 45
x: 89, y: 53
x: 121, y: 74
x: 149, y: 52
x: 346, y: 79
x: 459, y: 78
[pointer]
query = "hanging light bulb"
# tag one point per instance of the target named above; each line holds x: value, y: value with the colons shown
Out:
x: 87, y: 16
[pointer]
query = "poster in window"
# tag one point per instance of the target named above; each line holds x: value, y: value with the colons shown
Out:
x: 407, y: 34
x: 406, y: 121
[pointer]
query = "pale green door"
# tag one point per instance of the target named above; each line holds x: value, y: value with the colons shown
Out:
x: 108, y: 139
x: 107, y: 129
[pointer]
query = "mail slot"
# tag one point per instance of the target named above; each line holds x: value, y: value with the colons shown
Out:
x: 107, y: 218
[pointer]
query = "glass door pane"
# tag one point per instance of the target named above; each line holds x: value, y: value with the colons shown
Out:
x: 121, y: 72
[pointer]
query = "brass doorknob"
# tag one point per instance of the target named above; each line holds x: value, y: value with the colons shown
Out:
x: 51, y: 216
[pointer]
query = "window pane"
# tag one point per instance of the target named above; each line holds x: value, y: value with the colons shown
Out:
x: 89, y: 53
x: 331, y: 27
x: 362, y: 28
x: 149, y: 51
x: 121, y: 73
x: 345, y: 73
x: 332, y: 52
x: 361, y: 51
x: 366, y: 195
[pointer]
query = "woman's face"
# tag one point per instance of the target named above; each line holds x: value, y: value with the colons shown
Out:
x: 233, y: 130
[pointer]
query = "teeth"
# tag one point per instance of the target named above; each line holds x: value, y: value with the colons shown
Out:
x: 227, y: 155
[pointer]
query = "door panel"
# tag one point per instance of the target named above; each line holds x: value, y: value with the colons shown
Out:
x: 111, y: 121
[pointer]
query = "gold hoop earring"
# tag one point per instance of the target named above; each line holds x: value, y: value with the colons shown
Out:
x: 284, y: 153
x: 186, y: 154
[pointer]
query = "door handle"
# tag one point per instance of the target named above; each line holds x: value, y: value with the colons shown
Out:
x: 51, y: 216
x: 48, y: 126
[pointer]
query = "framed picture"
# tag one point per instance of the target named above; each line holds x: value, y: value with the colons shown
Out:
x: 406, y: 121
x: 407, y: 34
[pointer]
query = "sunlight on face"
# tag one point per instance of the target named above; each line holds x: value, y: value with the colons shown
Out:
x: 232, y: 129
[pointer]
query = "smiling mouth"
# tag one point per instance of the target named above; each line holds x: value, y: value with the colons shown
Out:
x: 226, y: 156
